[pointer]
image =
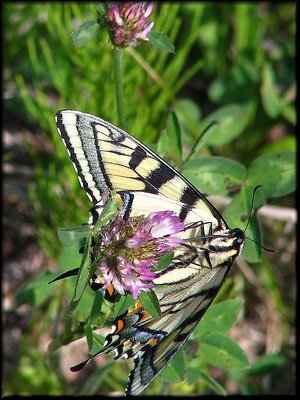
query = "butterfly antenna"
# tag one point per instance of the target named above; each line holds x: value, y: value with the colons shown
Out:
x: 251, y: 209
x: 259, y: 244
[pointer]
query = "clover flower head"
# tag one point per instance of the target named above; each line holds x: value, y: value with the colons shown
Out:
x: 128, y: 251
x: 128, y: 22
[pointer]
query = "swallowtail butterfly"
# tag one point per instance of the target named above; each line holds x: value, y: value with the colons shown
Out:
x: 106, y: 159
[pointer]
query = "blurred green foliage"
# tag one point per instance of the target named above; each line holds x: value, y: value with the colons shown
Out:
x: 233, y: 67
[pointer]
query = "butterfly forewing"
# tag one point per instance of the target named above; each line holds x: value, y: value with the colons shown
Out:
x: 107, y: 158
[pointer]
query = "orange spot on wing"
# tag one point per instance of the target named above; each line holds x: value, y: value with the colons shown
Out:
x: 145, y: 315
x: 120, y: 325
x: 139, y: 305
x: 110, y: 289
x: 153, y: 341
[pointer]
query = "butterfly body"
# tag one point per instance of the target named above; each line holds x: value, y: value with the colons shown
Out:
x: 106, y: 159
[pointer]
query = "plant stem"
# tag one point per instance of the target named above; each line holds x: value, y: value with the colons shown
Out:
x: 69, y: 318
x: 118, y: 71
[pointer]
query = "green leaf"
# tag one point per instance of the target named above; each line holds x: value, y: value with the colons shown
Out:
x: 178, y: 365
x: 71, y: 235
x: 238, y: 211
x: 187, y: 107
x: 98, y: 338
x: 231, y: 121
x: 175, y: 135
x: 163, y: 144
x: 202, y: 140
x: 84, y: 33
x: 285, y: 143
x: 275, y: 171
x: 215, y: 175
x: 237, y: 215
x: 251, y: 251
x: 109, y: 212
x: 96, y: 309
x: 161, y: 41
x: 150, y: 303
x: 84, y: 271
x: 247, y: 28
x: 194, y: 374
x: 37, y: 291
x: 219, y: 318
x: 97, y: 343
x: 85, y: 305
x: 102, y: 8
x: 289, y: 112
x: 69, y: 257
x: 221, y: 351
x: 89, y: 336
x: 123, y: 304
x: 176, y: 370
x: 165, y: 260
x: 267, y: 364
x: 269, y: 93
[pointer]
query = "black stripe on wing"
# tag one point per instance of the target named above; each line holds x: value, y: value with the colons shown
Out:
x: 80, y: 139
x: 159, y: 179
x: 137, y: 157
x: 152, y: 362
x: 66, y: 138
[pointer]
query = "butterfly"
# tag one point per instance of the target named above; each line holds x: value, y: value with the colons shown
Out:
x: 107, y: 159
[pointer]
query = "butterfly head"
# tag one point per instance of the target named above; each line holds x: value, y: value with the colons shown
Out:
x: 220, y: 248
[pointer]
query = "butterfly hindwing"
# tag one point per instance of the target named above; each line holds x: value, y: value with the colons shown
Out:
x: 154, y: 342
